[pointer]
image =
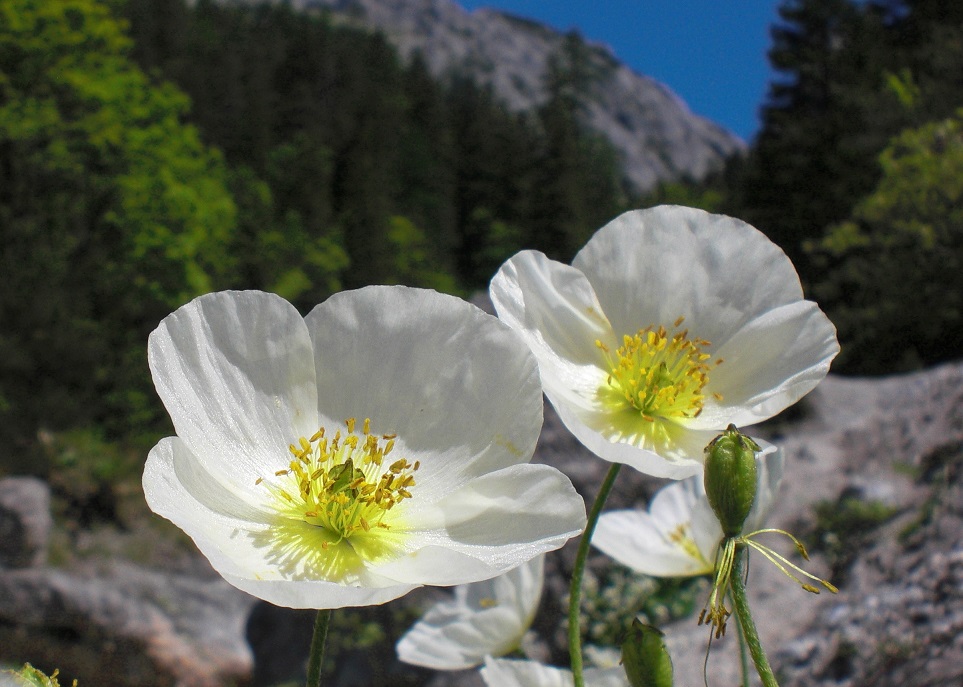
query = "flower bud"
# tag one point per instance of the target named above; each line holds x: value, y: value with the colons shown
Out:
x: 645, y: 658
x: 730, y: 478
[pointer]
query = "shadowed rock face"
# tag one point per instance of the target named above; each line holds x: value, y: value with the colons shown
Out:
x: 25, y: 522
x: 657, y: 136
x: 892, y: 445
x: 118, y: 624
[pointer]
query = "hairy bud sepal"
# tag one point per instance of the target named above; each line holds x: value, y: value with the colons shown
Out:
x: 730, y: 478
x: 645, y: 658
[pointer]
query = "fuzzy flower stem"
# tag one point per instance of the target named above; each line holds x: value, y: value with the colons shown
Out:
x: 746, y: 624
x: 743, y: 654
x: 575, y: 593
x: 317, y: 647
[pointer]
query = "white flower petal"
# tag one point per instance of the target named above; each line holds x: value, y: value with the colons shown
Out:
x: 555, y: 310
x: 484, y: 618
x: 681, y: 458
x: 653, y: 266
x: 633, y: 539
x: 502, y: 672
x: 319, y: 593
x: 489, y: 526
x: 521, y: 589
x: 462, y: 394
x: 235, y: 371
x: 174, y: 473
x: 769, y: 364
x: 704, y: 525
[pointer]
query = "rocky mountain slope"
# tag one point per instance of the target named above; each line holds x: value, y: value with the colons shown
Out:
x: 653, y: 130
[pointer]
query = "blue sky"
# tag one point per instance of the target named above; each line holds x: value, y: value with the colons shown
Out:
x: 712, y: 53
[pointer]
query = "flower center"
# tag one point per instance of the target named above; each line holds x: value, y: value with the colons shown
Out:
x: 658, y: 373
x: 344, y: 483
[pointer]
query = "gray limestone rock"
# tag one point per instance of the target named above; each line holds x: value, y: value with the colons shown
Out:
x: 121, y: 625
x: 25, y: 522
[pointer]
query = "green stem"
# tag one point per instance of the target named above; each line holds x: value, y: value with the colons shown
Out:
x: 575, y: 593
x: 743, y: 654
x: 746, y: 623
x: 317, y: 647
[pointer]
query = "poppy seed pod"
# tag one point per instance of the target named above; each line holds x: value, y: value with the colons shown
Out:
x: 730, y: 478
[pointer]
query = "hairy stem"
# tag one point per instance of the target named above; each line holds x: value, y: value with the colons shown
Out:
x: 743, y: 654
x: 746, y: 623
x: 317, y: 647
x: 575, y: 593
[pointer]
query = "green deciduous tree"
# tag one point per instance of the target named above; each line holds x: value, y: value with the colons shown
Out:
x: 111, y: 212
x: 894, y: 284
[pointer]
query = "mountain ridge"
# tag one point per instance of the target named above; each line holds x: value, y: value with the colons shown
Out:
x: 655, y: 134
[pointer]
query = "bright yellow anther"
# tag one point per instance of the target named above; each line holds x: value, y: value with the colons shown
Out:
x: 661, y: 375
x: 341, y: 485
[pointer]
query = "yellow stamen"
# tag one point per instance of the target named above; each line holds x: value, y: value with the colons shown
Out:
x: 341, y: 485
x: 658, y: 373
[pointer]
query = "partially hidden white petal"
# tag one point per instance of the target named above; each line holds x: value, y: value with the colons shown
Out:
x: 454, y: 646
x: 458, y: 387
x: 235, y: 371
x: 501, y: 672
x: 636, y: 541
x: 484, y: 618
x: 521, y: 588
x: 489, y: 526
x: 462, y: 642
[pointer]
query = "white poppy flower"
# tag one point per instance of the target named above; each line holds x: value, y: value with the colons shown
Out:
x: 679, y: 535
x: 669, y: 325
x: 345, y: 458
x: 503, y: 672
x: 484, y: 618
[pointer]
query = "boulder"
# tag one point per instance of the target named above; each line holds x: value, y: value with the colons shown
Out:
x: 25, y: 522
x: 117, y: 624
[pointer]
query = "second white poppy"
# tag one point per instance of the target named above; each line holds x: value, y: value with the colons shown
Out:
x: 670, y: 324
